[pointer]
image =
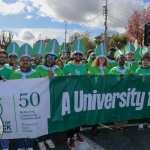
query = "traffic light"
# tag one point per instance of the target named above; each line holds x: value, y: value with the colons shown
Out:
x: 147, y: 35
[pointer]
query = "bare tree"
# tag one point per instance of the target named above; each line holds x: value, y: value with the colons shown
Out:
x: 5, y: 39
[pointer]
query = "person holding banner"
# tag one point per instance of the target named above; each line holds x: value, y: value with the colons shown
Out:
x: 99, y: 67
x: 12, y: 51
x: 75, y: 68
x: 121, y: 69
x: 38, y: 54
x: 111, y: 59
x: 5, y: 73
x: 25, y: 72
x: 49, y: 70
x: 130, y: 54
x: 144, y: 69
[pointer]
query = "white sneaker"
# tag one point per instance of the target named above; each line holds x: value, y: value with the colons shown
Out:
x: 5, y: 149
x: 41, y: 146
x: 29, y: 148
x: 50, y: 143
x: 141, y: 127
x: 21, y: 149
x: 148, y: 125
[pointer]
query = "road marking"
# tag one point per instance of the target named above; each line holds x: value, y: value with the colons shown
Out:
x: 87, y: 145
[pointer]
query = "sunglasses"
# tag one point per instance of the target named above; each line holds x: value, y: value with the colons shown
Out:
x: 51, y: 56
x: 38, y: 56
x: 3, y: 57
x: 78, y: 54
x: 12, y: 56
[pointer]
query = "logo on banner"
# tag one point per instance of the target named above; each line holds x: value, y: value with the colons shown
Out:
x: 1, y: 128
x: 7, y: 127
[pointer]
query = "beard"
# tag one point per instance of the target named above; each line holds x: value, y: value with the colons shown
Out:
x: 2, y: 63
x: 77, y: 60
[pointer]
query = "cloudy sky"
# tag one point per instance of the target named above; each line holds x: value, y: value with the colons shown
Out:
x: 31, y: 20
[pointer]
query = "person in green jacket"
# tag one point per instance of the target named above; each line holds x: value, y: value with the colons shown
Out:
x: 38, y: 54
x: 144, y: 69
x: 130, y: 55
x: 5, y: 73
x: 99, y: 66
x: 12, y: 51
x: 75, y: 68
x: 49, y: 70
x: 24, y: 72
x: 111, y: 59
x: 121, y: 69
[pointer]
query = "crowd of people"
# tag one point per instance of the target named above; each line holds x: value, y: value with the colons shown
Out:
x: 50, y: 61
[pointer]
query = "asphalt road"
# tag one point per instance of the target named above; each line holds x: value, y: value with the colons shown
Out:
x: 108, y: 139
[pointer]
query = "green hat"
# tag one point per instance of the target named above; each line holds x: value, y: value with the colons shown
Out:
x: 145, y: 49
x: 64, y: 47
x: 52, y: 47
x: 25, y: 50
x: 39, y: 48
x: 13, y: 48
x: 129, y: 48
x: 101, y: 51
x: 78, y: 46
x: 138, y: 53
x: 118, y: 53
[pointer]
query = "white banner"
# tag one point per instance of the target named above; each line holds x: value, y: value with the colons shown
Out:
x: 25, y: 107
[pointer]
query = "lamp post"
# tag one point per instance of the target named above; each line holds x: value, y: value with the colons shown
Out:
x: 65, y: 30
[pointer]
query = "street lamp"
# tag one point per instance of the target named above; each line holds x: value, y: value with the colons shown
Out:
x: 65, y: 30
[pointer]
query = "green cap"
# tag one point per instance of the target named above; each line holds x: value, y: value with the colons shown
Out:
x: 146, y: 50
x: 64, y: 47
x: 101, y: 51
x: 12, y: 49
x: 25, y: 50
x: 138, y: 54
x: 129, y: 48
x: 52, y: 47
x: 118, y: 53
x: 39, y: 48
x: 78, y: 46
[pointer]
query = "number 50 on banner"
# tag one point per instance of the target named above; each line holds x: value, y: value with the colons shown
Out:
x: 32, y: 99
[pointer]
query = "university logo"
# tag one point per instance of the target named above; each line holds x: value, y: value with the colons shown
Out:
x: 1, y: 128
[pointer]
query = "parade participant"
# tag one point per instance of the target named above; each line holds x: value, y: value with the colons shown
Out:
x: 50, y: 70
x: 121, y: 69
x: 144, y: 69
x: 38, y: 54
x: 64, y: 55
x: 12, y: 51
x: 75, y: 68
x: 25, y: 72
x: 99, y: 66
x: 90, y: 59
x: 87, y: 54
x: 130, y: 61
x: 59, y: 63
x: 111, y: 59
x: 5, y: 73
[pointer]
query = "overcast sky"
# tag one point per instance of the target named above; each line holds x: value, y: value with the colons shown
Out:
x: 31, y: 20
